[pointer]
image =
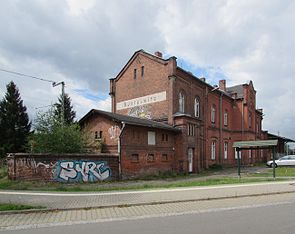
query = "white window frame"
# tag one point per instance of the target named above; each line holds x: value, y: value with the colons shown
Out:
x: 213, y: 113
x: 197, y: 107
x: 181, y: 102
x: 225, y: 121
x: 151, y: 138
x: 213, y: 150
x: 225, y: 150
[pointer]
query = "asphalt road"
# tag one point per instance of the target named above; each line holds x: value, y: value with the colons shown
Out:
x: 268, y: 214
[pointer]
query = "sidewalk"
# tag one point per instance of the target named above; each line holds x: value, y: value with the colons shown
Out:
x: 70, y: 201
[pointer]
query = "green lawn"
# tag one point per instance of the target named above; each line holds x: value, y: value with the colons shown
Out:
x: 206, y: 178
x: 9, y: 206
x: 280, y: 172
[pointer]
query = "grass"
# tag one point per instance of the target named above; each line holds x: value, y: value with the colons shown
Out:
x: 280, y: 172
x: 99, y: 187
x: 10, y: 206
x: 161, y: 181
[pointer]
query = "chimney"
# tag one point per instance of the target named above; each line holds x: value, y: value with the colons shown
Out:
x: 203, y: 79
x: 158, y: 54
x: 222, y: 85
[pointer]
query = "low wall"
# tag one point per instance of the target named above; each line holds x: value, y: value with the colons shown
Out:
x: 63, y: 168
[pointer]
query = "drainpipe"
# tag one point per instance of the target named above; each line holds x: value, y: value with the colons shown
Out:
x: 220, y: 127
x: 119, y: 149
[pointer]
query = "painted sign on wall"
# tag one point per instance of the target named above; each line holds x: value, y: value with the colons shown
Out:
x: 156, y: 97
x: 140, y: 112
x: 82, y: 171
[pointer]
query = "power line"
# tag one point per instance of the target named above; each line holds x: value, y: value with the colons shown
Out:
x: 21, y: 74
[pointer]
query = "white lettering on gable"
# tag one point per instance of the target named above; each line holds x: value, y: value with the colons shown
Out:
x: 156, y: 97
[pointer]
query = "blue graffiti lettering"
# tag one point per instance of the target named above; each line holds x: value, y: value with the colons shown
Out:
x: 82, y: 171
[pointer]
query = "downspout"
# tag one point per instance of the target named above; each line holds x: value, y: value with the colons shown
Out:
x: 119, y: 149
x: 220, y: 127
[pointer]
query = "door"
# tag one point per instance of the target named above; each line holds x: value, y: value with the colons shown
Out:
x: 190, y: 159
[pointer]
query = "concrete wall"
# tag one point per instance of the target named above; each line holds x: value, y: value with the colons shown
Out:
x: 63, y: 168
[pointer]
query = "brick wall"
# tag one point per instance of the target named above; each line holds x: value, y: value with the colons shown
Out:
x: 63, y: 168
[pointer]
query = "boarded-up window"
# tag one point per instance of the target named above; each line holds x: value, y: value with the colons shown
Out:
x: 151, y: 158
x: 134, y: 158
x: 151, y: 138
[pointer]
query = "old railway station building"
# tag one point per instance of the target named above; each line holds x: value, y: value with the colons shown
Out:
x: 164, y: 118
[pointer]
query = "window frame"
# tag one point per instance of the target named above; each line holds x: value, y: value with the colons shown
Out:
x: 197, y: 107
x: 213, y: 150
x: 181, y: 102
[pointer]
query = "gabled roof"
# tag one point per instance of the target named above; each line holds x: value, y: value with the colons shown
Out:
x: 273, y: 136
x: 129, y: 120
x: 136, y: 53
x: 238, y: 89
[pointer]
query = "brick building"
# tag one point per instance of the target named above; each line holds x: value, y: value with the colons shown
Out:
x: 200, y: 121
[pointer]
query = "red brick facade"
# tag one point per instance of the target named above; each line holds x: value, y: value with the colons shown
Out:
x: 202, y: 134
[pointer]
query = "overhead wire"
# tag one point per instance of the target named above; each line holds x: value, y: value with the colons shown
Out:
x: 22, y: 74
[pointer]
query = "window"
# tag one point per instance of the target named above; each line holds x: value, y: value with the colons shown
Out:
x: 134, y: 75
x: 197, y: 107
x: 98, y: 136
x: 225, y: 149
x: 151, y: 158
x: 213, y: 113
x: 142, y: 71
x: 225, y: 118
x: 164, y: 157
x: 250, y: 153
x: 164, y: 137
x: 250, y: 120
x: 190, y: 129
x: 213, y: 150
x: 181, y: 102
x: 151, y: 138
x: 134, y: 158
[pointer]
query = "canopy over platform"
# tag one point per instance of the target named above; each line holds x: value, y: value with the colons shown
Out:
x: 255, y: 144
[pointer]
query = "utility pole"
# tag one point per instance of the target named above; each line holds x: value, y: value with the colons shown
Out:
x: 62, y: 99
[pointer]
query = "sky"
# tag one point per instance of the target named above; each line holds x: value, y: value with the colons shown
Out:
x: 85, y: 43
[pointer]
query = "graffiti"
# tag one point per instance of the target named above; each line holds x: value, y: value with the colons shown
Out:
x: 114, y: 132
x: 140, y: 112
x: 36, y: 167
x: 82, y: 171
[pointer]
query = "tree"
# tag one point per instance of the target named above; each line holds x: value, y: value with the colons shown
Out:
x: 69, y: 113
x: 51, y: 136
x: 14, y: 122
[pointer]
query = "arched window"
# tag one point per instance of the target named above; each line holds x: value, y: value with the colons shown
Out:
x: 213, y: 113
x: 213, y: 150
x: 181, y: 101
x: 197, y: 107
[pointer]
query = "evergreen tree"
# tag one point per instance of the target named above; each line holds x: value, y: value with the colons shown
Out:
x: 14, y: 122
x: 69, y: 114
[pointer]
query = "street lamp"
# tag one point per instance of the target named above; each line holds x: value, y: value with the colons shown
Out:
x: 62, y: 99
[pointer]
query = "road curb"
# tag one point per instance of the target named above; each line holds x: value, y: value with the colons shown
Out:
x: 137, y: 204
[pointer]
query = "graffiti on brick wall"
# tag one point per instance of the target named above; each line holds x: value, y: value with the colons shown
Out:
x: 36, y: 166
x: 114, y: 132
x: 82, y: 171
x: 140, y: 112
